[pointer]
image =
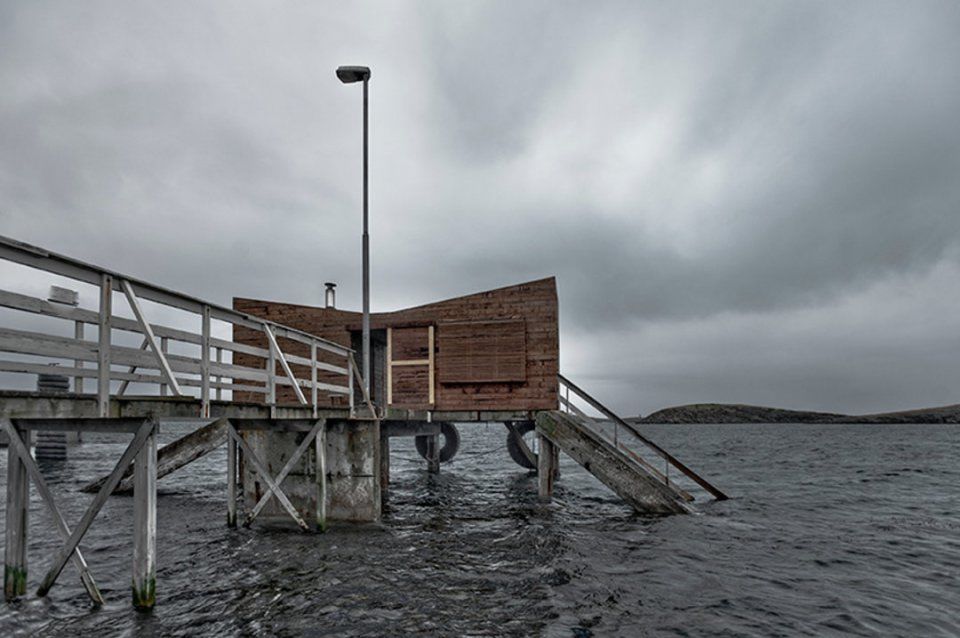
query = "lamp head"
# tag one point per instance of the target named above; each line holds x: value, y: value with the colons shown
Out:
x: 350, y: 74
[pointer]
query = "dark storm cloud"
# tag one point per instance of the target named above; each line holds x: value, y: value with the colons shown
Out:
x: 690, y: 164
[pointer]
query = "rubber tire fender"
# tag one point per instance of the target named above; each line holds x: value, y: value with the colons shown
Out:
x: 513, y: 447
x: 451, y: 442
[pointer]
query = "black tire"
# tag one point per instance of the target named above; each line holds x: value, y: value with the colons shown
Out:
x: 513, y: 447
x: 451, y: 443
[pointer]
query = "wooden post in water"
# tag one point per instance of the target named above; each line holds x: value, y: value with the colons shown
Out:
x: 18, y: 508
x: 384, y: 465
x: 548, y: 467
x: 320, y: 447
x: 433, y: 453
x: 145, y: 525
x: 231, y: 481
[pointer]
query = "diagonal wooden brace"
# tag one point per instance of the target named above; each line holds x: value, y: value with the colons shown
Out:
x: 148, y: 336
x: 258, y: 465
x: 60, y: 559
x: 18, y: 446
x: 283, y: 364
x: 288, y: 466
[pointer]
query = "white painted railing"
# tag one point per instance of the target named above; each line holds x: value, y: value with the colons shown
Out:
x: 152, y: 362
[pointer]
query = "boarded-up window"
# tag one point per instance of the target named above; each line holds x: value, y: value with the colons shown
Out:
x: 482, y: 351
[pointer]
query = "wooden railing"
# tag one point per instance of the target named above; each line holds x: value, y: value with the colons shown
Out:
x: 152, y: 362
x: 622, y: 428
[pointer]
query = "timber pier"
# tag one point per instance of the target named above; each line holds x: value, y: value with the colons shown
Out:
x: 283, y: 392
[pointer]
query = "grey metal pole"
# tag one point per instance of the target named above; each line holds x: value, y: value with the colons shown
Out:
x: 366, y: 255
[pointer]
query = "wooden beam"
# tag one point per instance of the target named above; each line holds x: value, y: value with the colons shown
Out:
x: 63, y: 554
x: 17, y: 525
x: 130, y: 370
x: 321, y: 469
x: 389, y: 366
x: 175, y: 455
x: 145, y: 525
x: 231, y: 482
x: 548, y: 467
x: 103, y: 346
x: 205, y: 362
x: 151, y: 339
x: 275, y: 347
x: 18, y: 447
x: 432, y: 363
x: 78, y: 328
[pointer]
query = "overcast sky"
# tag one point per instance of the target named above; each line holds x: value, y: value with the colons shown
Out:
x: 751, y: 202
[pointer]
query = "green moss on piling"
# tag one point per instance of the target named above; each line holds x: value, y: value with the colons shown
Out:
x: 14, y: 582
x: 145, y: 595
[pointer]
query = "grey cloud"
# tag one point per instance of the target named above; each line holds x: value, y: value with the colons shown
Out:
x: 803, y: 153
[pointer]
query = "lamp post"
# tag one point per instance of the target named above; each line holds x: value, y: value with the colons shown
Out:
x: 349, y: 75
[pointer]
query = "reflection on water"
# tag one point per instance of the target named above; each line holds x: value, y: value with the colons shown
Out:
x: 831, y: 528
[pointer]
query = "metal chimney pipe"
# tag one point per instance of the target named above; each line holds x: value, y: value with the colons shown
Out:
x: 331, y: 294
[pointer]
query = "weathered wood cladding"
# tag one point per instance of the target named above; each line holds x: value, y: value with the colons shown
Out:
x: 532, y: 305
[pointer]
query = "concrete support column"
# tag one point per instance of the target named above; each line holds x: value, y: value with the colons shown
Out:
x: 18, y: 508
x: 145, y: 525
x: 548, y: 467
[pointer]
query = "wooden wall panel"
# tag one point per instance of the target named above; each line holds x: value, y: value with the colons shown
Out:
x: 411, y: 386
x: 534, y: 303
x: 410, y: 343
x: 482, y: 351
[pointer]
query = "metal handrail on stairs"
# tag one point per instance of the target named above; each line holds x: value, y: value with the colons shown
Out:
x: 618, y: 422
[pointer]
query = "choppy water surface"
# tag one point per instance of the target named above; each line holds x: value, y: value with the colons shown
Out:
x: 851, y: 529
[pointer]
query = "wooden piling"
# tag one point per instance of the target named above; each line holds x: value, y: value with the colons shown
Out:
x: 320, y: 443
x: 548, y: 467
x: 384, y: 465
x: 231, y: 482
x: 18, y: 508
x: 145, y: 525
x: 433, y: 453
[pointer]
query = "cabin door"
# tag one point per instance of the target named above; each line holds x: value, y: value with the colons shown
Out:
x: 410, y: 367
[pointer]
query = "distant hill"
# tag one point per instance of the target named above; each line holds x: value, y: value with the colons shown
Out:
x: 735, y: 413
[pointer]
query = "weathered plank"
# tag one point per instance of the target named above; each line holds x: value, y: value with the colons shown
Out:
x: 145, y: 525
x: 17, y: 445
x: 175, y: 455
x: 628, y: 480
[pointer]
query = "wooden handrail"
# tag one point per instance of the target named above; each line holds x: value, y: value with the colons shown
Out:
x: 696, y: 478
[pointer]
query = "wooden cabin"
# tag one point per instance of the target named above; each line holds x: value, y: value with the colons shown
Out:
x: 493, y: 351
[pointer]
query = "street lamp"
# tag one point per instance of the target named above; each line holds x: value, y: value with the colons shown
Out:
x: 349, y: 75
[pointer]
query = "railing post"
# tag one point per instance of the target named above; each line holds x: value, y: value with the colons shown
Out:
x: 353, y: 411
x: 78, y: 328
x: 205, y: 364
x: 271, y: 376
x: 313, y: 377
x: 103, y: 347
x: 164, y: 345
x: 218, y: 378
